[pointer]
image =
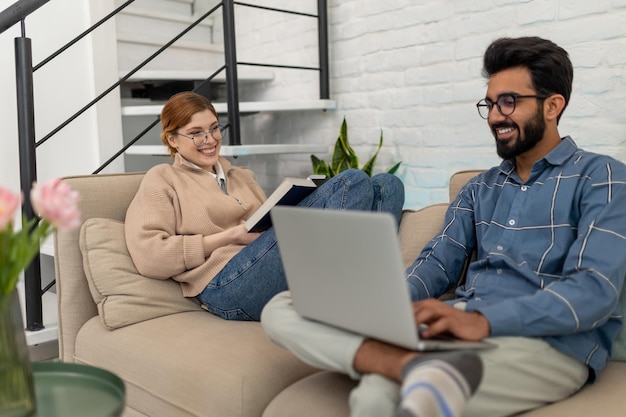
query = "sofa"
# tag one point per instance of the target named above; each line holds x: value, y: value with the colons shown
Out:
x: 176, y: 359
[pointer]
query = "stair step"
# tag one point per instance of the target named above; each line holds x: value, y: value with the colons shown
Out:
x: 158, y: 41
x: 244, y: 107
x: 176, y: 7
x: 166, y: 16
x: 192, y: 55
x: 140, y: 27
x: 243, y: 75
x: 238, y: 150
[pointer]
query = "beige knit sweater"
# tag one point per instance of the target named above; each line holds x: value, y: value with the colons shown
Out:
x: 175, y: 206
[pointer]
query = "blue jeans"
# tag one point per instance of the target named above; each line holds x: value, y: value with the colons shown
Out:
x: 255, y: 275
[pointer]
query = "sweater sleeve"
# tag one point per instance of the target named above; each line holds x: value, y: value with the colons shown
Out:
x: 157, y: 251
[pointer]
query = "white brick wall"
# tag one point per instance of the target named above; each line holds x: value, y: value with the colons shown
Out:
x: 412, y: 69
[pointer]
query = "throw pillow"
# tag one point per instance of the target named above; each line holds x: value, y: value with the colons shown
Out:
x: 122, y: 295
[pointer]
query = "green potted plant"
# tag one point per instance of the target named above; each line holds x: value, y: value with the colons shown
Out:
x: 344, y: 157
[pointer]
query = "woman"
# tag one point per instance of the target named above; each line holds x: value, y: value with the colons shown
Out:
x: 186, y: 221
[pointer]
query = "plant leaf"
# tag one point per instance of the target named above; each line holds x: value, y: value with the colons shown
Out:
x: 344, y: 156
x: 343, y: 137
x: 369, y: 165
x: 320, y: 167
x: 315, y: 163
x: 324, y: 169
x: 394, y: 168
x: 341, y: 159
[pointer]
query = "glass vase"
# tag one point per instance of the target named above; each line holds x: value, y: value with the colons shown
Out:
x: 17, y: 394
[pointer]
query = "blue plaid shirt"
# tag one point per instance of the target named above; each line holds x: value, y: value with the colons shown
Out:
x: 551, y: 251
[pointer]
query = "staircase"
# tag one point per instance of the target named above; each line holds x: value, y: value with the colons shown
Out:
x: 144, y: 27
x: 141, y: 29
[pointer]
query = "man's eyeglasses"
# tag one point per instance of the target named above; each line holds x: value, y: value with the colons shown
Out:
x: 201, y: 137
x: 505, y: 104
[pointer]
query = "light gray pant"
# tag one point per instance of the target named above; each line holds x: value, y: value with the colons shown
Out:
x: 520, y: 374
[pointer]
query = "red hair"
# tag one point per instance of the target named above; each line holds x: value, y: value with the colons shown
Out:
x: 178, y: 111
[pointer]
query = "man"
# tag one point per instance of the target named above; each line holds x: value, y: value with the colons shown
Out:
x: 548, y: 231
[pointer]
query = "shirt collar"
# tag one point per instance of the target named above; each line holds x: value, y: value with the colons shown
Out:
x: 218, y: 168
x: 562, y: 152
x: 555, y: 157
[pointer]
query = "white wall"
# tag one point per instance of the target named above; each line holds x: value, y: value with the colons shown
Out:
x: 61, y: 88
x: 412, y: 69
x: 408, y: 67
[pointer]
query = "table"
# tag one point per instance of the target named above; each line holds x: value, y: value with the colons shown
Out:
x: 69, y: 389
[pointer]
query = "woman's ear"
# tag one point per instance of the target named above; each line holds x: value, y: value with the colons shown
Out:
x: 171, y: 140
x: 553, y: 106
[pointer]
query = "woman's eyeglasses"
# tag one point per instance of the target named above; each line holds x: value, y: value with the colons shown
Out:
x: 201, y: 137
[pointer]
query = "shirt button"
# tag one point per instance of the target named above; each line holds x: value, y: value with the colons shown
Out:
x: 499, y: 247
x: 524, y: 187
x: 511, y: 222
x: 499, y: 271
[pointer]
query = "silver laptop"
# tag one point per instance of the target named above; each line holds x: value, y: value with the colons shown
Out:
x: 344, y: 268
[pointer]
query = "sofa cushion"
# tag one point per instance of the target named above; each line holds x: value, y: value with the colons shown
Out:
x: 122, y: 295
x: 619, y: 346
x: 192, y: 364
x: 603, y: 398
x: 321, y: 394
x: 329, y: 391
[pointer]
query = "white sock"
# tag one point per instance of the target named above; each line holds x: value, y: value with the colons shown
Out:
x: 439, y: 385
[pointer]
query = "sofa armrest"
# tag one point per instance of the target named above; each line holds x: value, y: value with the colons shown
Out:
x: 103, y: 195
x: 459, y: 179
x: 417, y: 228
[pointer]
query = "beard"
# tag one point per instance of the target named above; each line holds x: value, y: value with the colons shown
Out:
x: 527, y: 139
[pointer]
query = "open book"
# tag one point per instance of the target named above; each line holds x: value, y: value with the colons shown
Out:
x: 288, y: 193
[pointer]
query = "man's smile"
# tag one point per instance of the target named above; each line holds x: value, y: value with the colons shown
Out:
x: 503, y: 132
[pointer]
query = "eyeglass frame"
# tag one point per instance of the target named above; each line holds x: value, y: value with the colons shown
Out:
x: 211, y: 132
x: 485, y: 102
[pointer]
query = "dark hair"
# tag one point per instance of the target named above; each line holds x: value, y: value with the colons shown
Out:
x: 178, y: 111
x: 549, y: 65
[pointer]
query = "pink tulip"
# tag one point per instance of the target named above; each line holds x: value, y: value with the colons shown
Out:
x: 9, y: 202
x: 56, y: 202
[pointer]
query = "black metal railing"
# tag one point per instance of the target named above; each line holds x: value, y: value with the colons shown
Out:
x: 18, y: 12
